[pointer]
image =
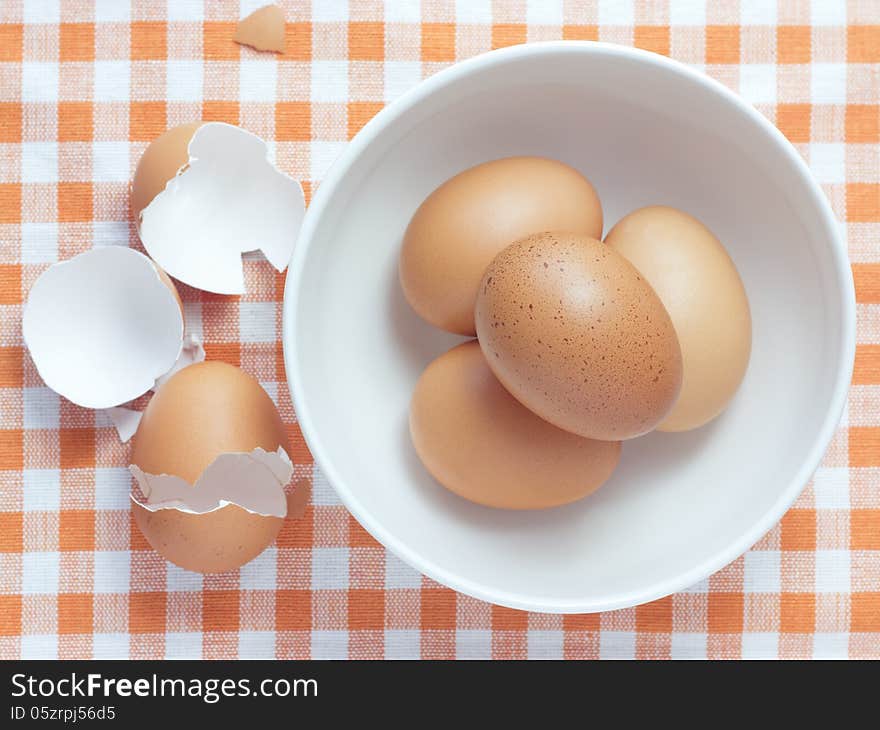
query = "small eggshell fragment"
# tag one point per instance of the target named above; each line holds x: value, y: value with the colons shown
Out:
x: 205, y: 410
x: 701, y: 289
x: 161, y: 161
x: 578, y: 336
x: 298, y: 499
x: 481, y: 443
x: 263, y: 29
x: 206, y: 193
x: 125, y: 421
x: 459, y: 228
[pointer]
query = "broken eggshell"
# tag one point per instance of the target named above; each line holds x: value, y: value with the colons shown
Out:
x: 125, y: 421
x: 102, y: 326
x: 298, y: 499
x: 263, y: 29
x: 253, y: 481
x: 210, y: 427
x: 191, y: 351
x: 205, y: 193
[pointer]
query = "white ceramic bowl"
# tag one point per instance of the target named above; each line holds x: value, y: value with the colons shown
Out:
x: 645, y: 130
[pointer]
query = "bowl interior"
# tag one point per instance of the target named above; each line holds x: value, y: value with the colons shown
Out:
x: 644, y: 131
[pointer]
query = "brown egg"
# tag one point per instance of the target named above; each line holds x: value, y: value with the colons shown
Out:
x: 578, y: 336
x: 201, y: 412
x: 160, y: 162
x: 481, y: 443
x: 701, y: 289
x: 464, y: 223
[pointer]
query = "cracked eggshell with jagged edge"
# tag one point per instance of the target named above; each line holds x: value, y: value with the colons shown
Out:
x: 103, y: 326
x: 254, y: 481
x: 204, y: 194
x: 211, y: 466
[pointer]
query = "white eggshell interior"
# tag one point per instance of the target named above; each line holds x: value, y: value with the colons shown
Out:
x: 228, y: 200
x: 254, y: 481
x: 102, y: 326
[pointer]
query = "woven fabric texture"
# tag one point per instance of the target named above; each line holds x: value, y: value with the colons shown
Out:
x: 85, y: 85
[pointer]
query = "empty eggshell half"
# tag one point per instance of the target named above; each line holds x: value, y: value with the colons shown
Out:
x: 263, y: 29
x: 102, y: 326
x: 210, y: 456
x: 225, y: 198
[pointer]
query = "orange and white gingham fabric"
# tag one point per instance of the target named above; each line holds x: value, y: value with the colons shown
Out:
x: 86, y: 84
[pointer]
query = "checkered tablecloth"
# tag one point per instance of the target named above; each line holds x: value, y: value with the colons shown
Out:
x: 86, y: 84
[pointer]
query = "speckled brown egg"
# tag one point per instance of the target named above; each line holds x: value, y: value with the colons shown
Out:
x: 463, y: 224
x: 481, y: 443
x: 201, y: 412
x: 578, y: 336
x: 701, y: 289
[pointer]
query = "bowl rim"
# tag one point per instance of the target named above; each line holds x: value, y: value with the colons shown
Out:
x: 303, y: 408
